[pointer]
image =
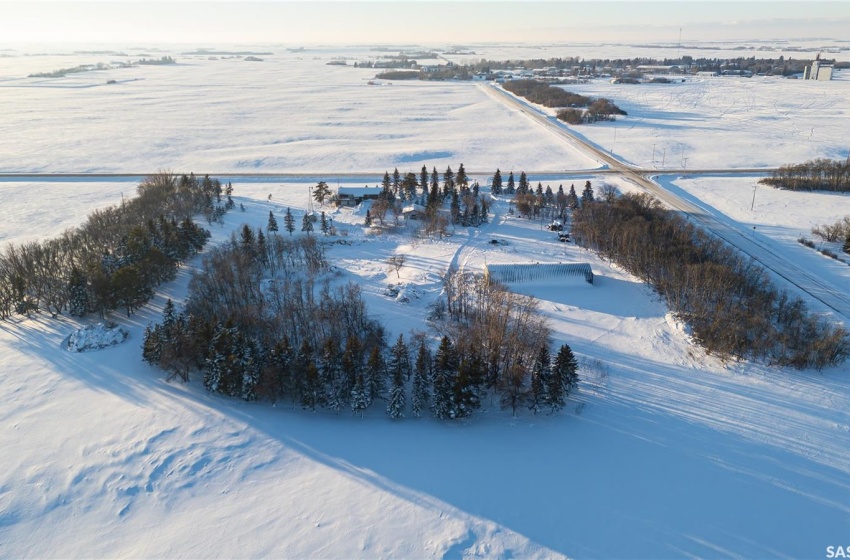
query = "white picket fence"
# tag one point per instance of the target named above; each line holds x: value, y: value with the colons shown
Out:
x: 530, y: 272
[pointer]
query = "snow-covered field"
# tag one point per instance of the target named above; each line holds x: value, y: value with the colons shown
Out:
x: 723, y: 122
x: 662, y: 452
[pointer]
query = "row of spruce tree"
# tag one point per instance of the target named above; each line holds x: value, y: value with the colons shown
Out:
x: 118, y: 256
x: 467, y: 207
x: 264, y: 321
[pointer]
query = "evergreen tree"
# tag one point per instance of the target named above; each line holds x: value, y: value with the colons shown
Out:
x: 461, y: 179
x: 272, y: 227
x: 262, y: 251
x: 423, y: 180
x: 496, y: 184
x: 587, y: 194
x: 421, y: 380
x: 563, y: 379
x: 455, y: 207
x: 307, y: 223
x: 78, y: 303
x: 324, y: 223
x: 351, y: 367
x: 541, y: 383
x: 332, y: 377
x: 470, y: 378
x: 228, y: 190
x: 219, y: 364
x: 249, y: 367
x: 400, y: 359
x: 511, y: 188
x: 376, y: 374
x: 435, y: 182
x: 129, y: 289
x: 573, y: 197
x: 445, y: 372
x: 277, y: 380
x: 385, y: 182
x: 360, y: 398
x: 246, y: 239
x: 311, y: 387
x: 448, y: 182
x: 522, y: 188
x: 368, y: 220
x: 169, y: 316
x: 289, y: 221
x: 408, y: 186
x: 152, y: 345
x: 399, y: 370
x: 321, y: 192
x: 396, y: 181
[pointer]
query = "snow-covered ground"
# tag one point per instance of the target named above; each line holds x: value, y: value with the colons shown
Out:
x: 723, y: 122
x: 662, y: 452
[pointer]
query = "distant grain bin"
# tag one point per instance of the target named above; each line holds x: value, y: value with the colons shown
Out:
x: 530, y: 272
x: 819, y: 70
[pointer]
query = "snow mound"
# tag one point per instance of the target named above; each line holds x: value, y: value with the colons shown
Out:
x: 402, y: 293
x: 678, y: 325
x: 96, y: 337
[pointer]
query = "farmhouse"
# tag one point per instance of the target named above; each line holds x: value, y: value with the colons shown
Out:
x: 352, y: 196
x: 530, y: 272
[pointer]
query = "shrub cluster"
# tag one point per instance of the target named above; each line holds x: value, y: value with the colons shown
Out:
x: 117, y: 257
x: 729, y: 301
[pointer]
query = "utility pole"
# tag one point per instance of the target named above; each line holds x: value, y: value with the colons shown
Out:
x: 663, y: 156
x: 754, y: 198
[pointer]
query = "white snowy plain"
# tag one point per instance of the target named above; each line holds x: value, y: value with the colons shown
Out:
x: 662, y: 452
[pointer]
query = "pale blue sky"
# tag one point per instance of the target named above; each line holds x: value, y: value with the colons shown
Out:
x: 417, y: 21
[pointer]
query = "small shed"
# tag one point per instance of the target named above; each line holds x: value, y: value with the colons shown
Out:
x: 413, y: 212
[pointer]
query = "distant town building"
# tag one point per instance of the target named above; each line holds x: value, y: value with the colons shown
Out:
x: 819, y: 70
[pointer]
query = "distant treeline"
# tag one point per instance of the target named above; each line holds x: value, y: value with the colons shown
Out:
x: 727, y: 299
x: 780, y: 66
x: 117, y: 257
x: 577, y: 108
x: 156, y: 61
x: 399, y: 75
x: 62, y: 72
x: 814, y: 175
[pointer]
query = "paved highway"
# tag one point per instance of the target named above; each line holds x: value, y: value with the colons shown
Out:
x: 832, y: 296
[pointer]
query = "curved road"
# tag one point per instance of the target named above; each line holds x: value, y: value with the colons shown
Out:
x: 832, y: 296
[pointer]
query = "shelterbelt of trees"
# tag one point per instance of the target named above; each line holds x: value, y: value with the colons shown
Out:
x: 575, y: 108
x: 264, y: 322
x: 813, y: 175
x: 267, y: 318
x: 118, y: 256
x: 728, y: 300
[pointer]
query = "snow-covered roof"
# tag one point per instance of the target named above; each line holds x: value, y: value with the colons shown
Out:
x: 357, y: 191
x: 529, y: 272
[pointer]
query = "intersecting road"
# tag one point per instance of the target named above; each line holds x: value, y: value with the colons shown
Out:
x: 832, y: 296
